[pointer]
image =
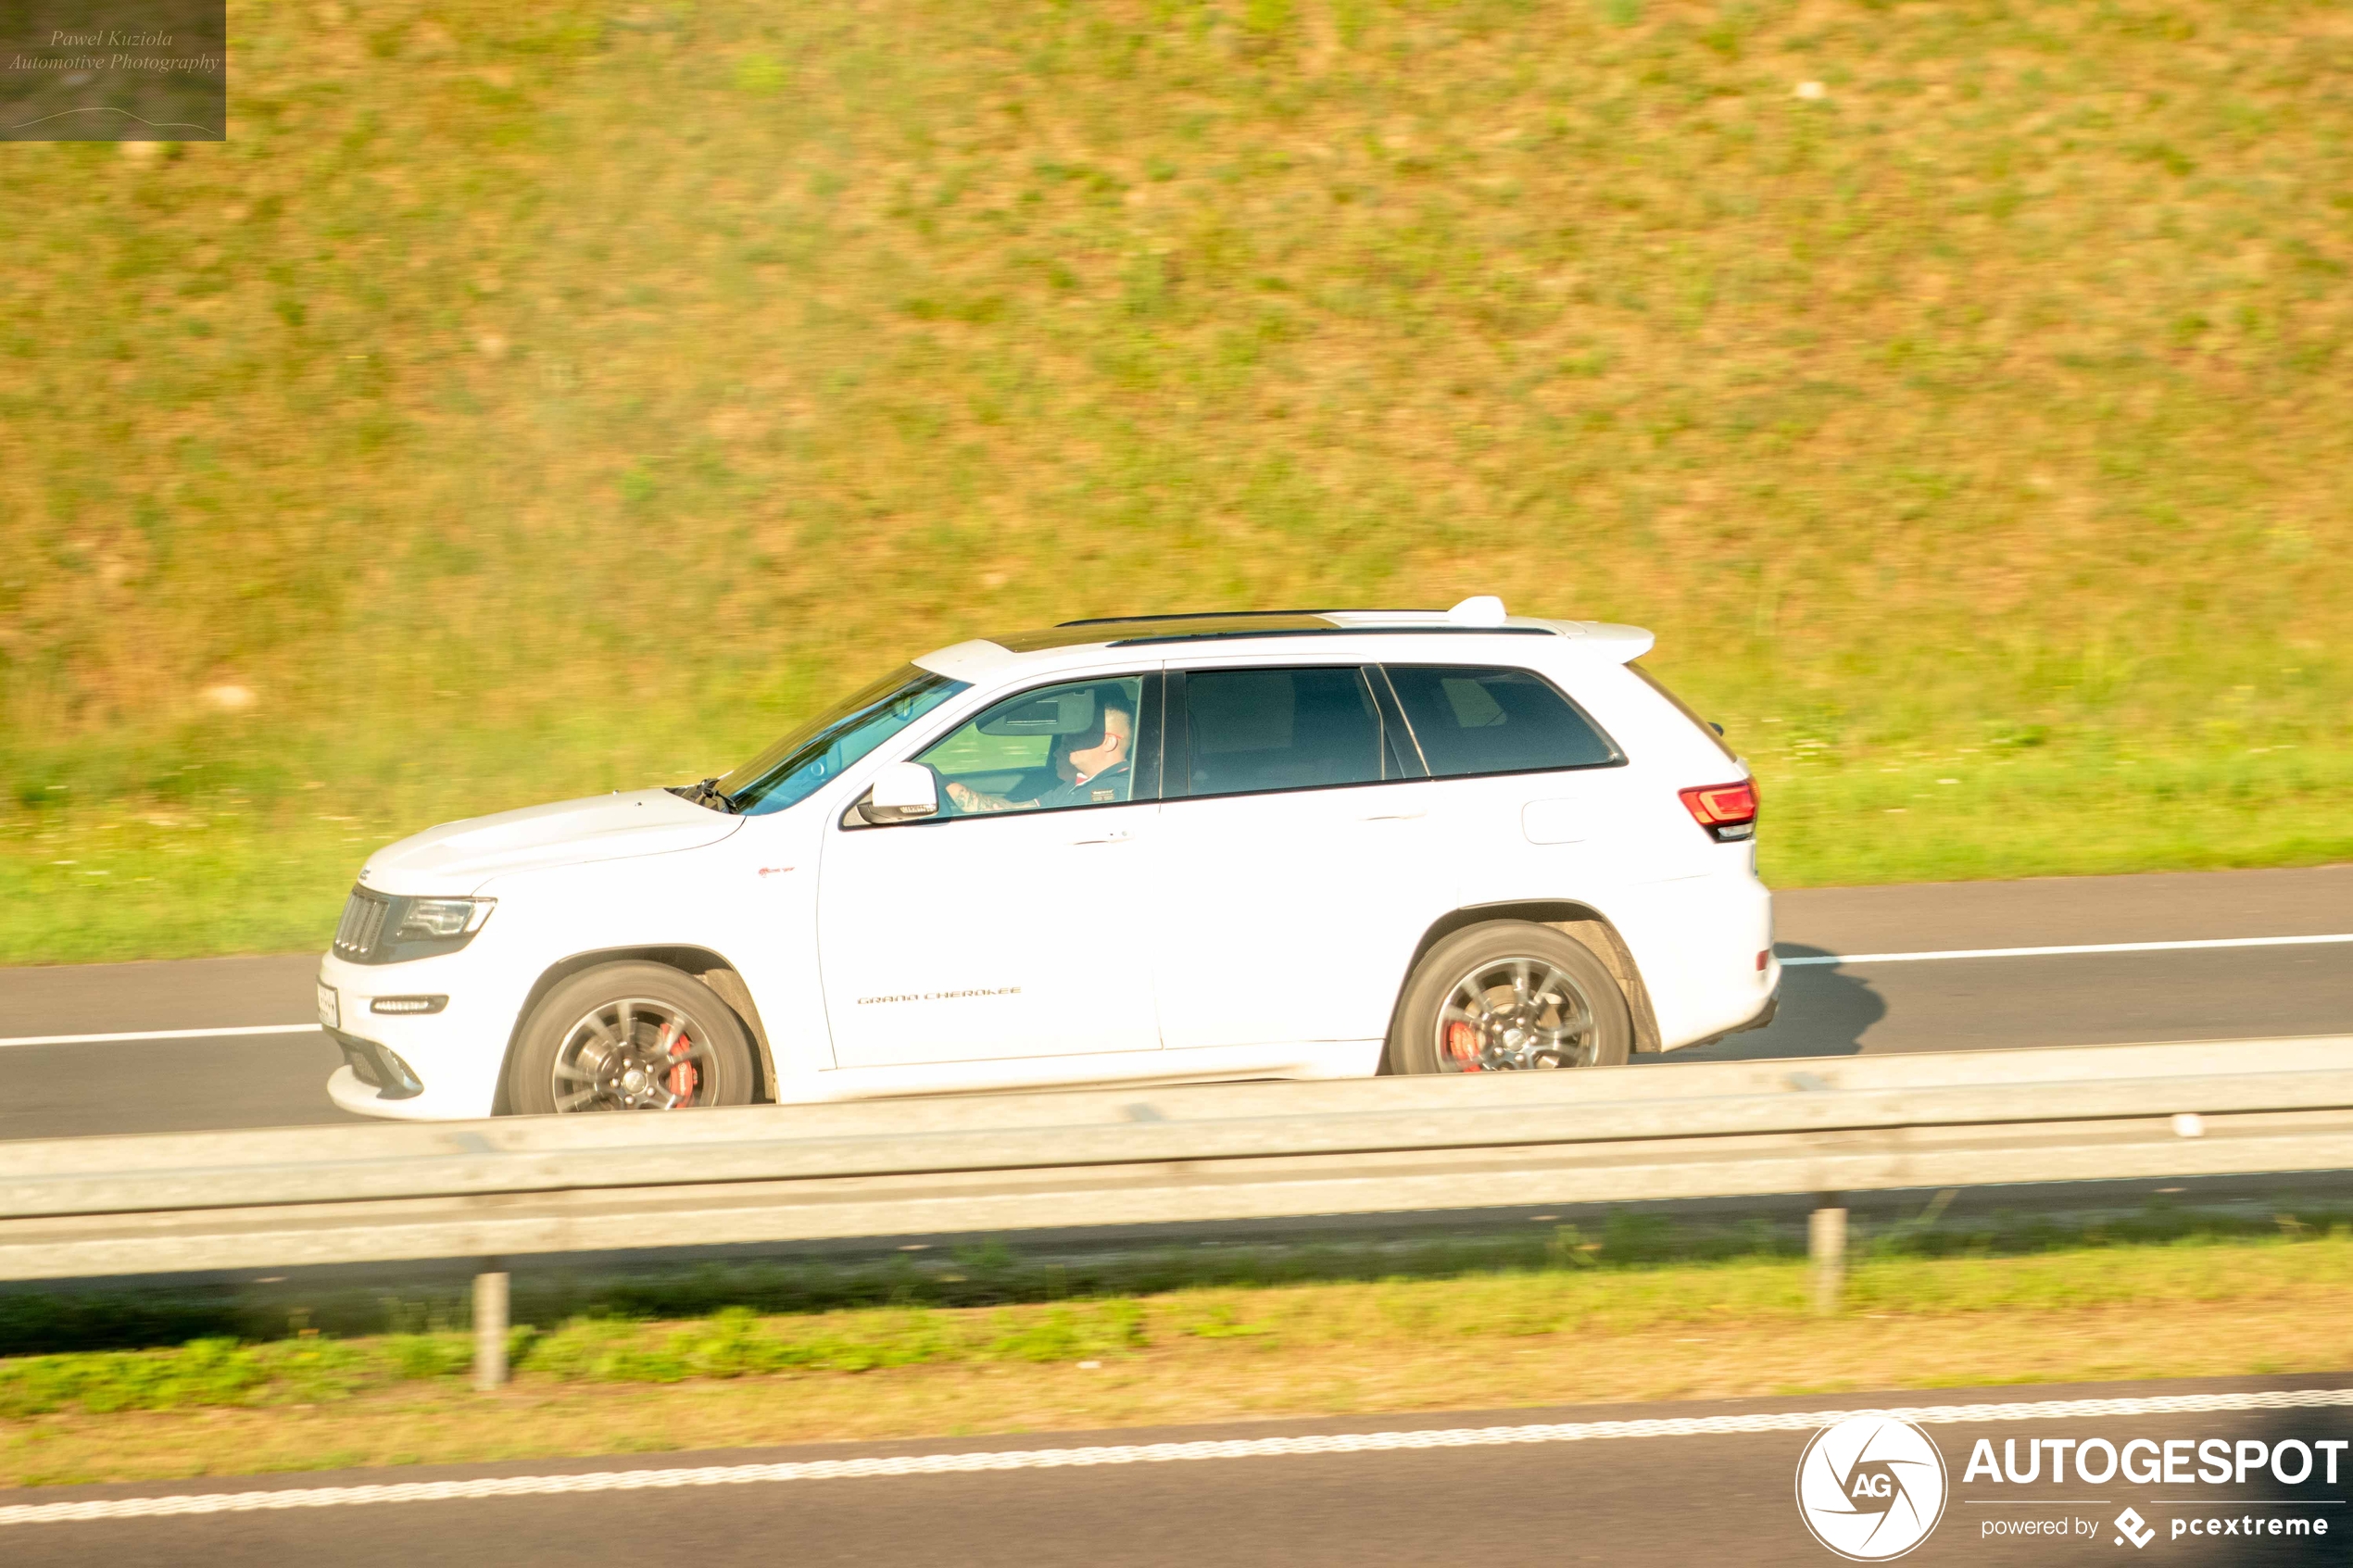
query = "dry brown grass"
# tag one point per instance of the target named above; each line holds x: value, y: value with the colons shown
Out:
x: 1190, y: 1381
x: 530, y: 401
x: 1486, y: 1342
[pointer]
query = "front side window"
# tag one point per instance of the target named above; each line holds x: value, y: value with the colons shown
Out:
x: 1045, y: 750
x: 1252, y: 730
x: 1476, y: 720
x: 798, y: 766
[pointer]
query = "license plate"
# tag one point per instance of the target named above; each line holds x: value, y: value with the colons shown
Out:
x: 330, y: 1013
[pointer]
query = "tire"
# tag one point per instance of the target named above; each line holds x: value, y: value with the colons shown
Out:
x: 577, y: 1050
x: 1574, y: 1014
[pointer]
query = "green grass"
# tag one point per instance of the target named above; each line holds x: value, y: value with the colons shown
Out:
x: 731, y: 1343
x: 995, y: 1274
x: 1642, y: 1313
x: 525, y: 403
x: 1565, y: 1299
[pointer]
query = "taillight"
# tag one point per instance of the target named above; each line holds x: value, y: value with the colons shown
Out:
x: 1728, y: 811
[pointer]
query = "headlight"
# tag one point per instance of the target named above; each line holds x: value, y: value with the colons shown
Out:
x: 432, y: 920
x: 393, y: 928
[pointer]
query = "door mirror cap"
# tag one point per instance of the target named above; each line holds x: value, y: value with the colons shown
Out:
x: 903, y: 792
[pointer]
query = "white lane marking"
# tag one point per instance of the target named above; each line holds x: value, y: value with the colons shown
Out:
x: 2061, y: 952
x: 161, y: 1035
x: 1786, y: 963
x: 1138, y: 1453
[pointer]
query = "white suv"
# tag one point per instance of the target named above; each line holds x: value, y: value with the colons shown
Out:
x: 1297, y: 844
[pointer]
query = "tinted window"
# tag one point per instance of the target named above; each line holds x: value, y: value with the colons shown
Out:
x: 1477, y: 720
x: 1283, y: 729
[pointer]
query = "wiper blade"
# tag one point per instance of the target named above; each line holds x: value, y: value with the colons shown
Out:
x: 707, y: 793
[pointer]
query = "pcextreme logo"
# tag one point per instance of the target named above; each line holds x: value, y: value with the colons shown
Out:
x: 1871, y: 1488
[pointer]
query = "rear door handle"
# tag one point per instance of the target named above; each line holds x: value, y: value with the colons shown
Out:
x: 1116, y: 835
x: 1394, y: 816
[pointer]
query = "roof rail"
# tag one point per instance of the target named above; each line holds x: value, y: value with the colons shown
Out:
x: 1341, y: 631
x: 1226, y: 615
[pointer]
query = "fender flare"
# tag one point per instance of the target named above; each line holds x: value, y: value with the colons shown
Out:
x: 1581, y: 922
x: 711, y: 968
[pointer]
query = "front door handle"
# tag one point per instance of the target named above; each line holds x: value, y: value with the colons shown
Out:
x: 1116, y: 835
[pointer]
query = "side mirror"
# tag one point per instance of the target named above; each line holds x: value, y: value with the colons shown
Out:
x: 903, y: 792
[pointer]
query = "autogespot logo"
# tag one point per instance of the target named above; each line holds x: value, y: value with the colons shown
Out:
x: 1870, y: 1487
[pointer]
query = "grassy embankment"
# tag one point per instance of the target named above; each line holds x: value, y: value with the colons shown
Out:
x: 1549, y: 1337
x: 531, y: 401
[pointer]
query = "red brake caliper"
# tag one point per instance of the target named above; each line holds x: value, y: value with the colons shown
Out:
x: 1462, y: 1044
x: 683, y: 1077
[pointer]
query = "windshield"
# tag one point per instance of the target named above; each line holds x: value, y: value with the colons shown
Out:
x: 798, y: 766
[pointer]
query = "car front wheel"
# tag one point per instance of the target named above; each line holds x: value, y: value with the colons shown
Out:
x: 1510, y: 996
x: 629, y: 1036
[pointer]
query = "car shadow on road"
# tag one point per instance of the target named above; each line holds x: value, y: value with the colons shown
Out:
x: 1825, y: 1012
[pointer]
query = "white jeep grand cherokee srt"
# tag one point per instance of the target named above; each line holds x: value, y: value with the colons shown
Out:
x: 1295, y: 843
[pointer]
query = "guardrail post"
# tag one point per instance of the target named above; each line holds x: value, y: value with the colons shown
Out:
x: 1826, y: 1244
x: 490, y: 1328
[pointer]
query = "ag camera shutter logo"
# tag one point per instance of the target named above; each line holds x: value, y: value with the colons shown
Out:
x: 1871, y: 1488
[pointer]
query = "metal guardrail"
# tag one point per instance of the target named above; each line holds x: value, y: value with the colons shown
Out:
x: 1141, y: 1155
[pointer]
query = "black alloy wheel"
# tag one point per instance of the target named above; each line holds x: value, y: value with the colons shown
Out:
x: 1510, y: 997
x: 630, y: 1037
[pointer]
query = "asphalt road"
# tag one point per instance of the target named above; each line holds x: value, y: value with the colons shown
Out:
x: 192, y: 1083
x: 1597, y: 1494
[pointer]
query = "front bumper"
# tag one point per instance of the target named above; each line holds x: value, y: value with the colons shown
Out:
x: 349, y: 1094
x: 454, y: 1056
x: 378, y: 1067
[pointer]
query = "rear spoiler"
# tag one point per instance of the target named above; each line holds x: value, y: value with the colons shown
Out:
x: 1624, y: 643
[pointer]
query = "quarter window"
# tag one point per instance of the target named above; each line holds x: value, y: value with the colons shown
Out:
x: 1251, y: 729
x: 1471, y: 720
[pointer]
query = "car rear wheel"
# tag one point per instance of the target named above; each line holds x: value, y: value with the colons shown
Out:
x: 629, y: 1036
x: 1510, y: 996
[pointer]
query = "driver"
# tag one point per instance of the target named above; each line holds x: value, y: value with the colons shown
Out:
x: 1093, y: 764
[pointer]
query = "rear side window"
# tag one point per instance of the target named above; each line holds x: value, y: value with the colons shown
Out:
x: 1474, y: 720
x: 1252, y: 730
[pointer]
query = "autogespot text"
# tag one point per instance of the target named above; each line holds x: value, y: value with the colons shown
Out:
x: 2177, y: 1461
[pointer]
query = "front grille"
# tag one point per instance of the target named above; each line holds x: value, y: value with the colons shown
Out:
x: 363, y: 922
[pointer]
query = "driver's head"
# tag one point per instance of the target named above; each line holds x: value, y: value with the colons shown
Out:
x: 1106, y: 742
